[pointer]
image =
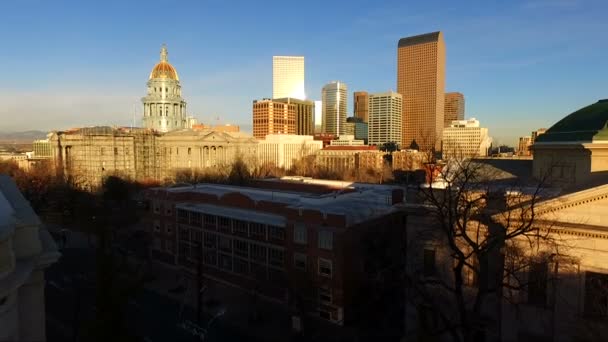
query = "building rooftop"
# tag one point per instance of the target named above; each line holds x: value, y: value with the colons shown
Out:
x: 358, y: 202
x: 350, y: 148
x: 587, y: 124
x: 420, y: 39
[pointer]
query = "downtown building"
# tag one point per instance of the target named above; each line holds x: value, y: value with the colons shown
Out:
x: 385, y: 118
x: 296, y: 240
x: 273, y: 117
x: 361, y: 105
x: 454, y: 108
x: 465, y: 139
x: 305, y: 124
x: 281, y: 150
x: 333, y: 97
x: 421, y: 82
x: 288, y: 77
x: 357, y: 127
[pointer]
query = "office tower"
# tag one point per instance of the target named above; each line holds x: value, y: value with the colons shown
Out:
x: 271, y: 117
x: 454, y: 108
x: 318, y: 116
x: 164, y: 107
x: 465, y: 139
x: 333, y: 96
x: 304, y: 115
x: 385, y: 111
x: 361, y: 104
x: 358, y: 128
x: 288, y: 77
x: 421, y: 82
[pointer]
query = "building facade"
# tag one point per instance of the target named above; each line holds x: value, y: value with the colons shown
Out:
x: 26, y: 250
x: 340, y: 158
x: 575, y: 149
x: 523, y: 146
x: 288, y: 77
x: 421, y: 82
x: 164, y: 107
x: 334, y: 107
x: 272, y: 117
x: 89, y: 155
x: 385, y: 118
x: 466, y: 139
x: 454, y: 108
x: 358, y: 128
x: 305, y: 124
x: 346, y: 140
x: 298, y: 241
x: 282, y: 149
x: 361, y: 105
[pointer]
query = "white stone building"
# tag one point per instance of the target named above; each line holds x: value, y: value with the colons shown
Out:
x: 385, y: 113
x: 26, y: 250
x: 465, y: 139
x: 282, y: 149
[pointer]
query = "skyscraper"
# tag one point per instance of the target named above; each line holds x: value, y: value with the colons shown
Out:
x: 304, y: 115
x: 288, y: 77
x: 361, y: 104
x: 272, y: 117
x: 454, y: 108
x: 421, y: 82
x: 164, y: 107
x: 465, y: 139
x: 333, y: 97
x: 385, y: 111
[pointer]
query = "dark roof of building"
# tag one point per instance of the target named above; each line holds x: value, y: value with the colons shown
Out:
x: 419, y: 39
x: 585, y: 125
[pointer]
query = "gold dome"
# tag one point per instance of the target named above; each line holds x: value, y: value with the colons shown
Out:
x: 164, y: 69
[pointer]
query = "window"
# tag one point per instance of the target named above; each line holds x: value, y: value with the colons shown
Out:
x: 225, y: 244
x: 240, y: 227
x: 197, y: 235
x: 325, y: 267
x: 156, y: 207
x: 326, y: 240
x: 182, y: 216
x: 224, y: 224
x: 169, y: 228
x: 210, y: 258
x: 258, y: 253
x: 299, y: 261
x: 241, y: 266
x: 257, y: 230
x: 275, y: 257
x: 115, y: 151
x: 157, y: 227
x: 537, y: 284
x: 189, y: 151
x: 168, y: 209
x: 209, y: 221
x: 226, y: 262
x: 241, y: 248
x: 276, y: 233
x: 184, y: 233
x: 169, y: 247
x: 195, y: 219
x: 210, y: 241
x: 324, y: 295
x: 429, y: 268
x: 299, y: 234
x: 156, y: 244
x: 596, y: 294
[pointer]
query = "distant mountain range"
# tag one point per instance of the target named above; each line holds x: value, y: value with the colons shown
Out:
x: 21, y: 137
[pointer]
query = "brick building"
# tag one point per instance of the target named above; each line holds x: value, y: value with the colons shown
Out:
x: 297, y: 240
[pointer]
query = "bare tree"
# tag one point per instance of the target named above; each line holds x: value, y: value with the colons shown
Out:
x: 481, y: 236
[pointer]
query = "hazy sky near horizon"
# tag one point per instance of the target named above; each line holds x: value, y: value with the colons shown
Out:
x: 521, y: 64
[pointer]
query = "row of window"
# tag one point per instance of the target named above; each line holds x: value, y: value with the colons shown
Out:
x: 325, y: 238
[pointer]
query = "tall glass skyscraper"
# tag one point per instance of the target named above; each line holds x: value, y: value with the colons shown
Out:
x: 333, y: 97
x: 288, y: 77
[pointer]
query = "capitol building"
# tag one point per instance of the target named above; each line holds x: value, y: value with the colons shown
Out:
x: 165, y: 145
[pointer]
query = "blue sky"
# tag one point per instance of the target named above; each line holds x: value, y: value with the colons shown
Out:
x: 520, y: 64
